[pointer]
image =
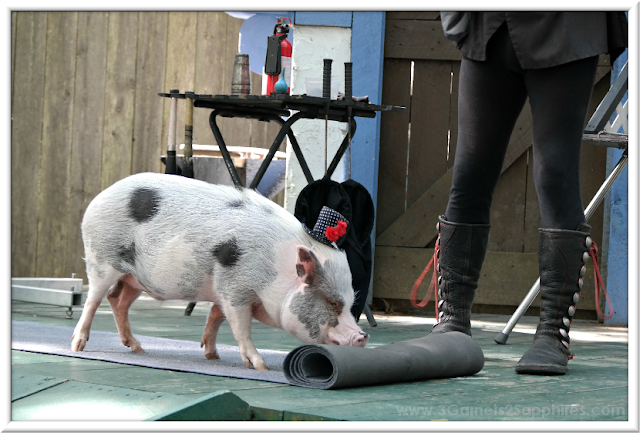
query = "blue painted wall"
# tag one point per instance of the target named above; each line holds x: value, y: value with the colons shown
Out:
x: 618, y: 252
x: 335, y: 19
x: 367, y: 55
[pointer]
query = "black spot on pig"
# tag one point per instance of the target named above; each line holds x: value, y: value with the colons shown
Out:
x: 128, y: 254
x: 236, y: 203
x: 144, y: 204
x: 227, y: 253
x: 267, y: 209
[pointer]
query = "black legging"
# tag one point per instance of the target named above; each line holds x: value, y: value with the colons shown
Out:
x: 491, y: 96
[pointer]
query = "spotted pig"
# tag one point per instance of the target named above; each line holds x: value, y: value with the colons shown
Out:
x: 183, y: 239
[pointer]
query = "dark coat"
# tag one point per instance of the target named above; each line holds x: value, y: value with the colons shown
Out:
x: 545, y: 39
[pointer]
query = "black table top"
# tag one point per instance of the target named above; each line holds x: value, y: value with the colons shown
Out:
x: 282, y: 102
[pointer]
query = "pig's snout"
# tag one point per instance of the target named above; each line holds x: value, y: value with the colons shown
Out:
x: 358, y: 339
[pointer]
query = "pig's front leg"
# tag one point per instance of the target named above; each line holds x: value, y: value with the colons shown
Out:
x: 215, y: 319
x: 240, y: 321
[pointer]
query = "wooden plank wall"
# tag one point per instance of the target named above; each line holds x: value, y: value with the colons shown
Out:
x: 414, y: 146
x: 85, y: 113
x: 417, y: 150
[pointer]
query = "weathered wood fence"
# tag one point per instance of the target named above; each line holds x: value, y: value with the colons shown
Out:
x: 85, y: 113
x: 417, y: 151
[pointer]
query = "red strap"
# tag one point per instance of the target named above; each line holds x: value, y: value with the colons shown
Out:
x: 432, y: 286
x: 593, y: 252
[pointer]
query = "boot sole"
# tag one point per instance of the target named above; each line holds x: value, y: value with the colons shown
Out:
x: 541, y: 369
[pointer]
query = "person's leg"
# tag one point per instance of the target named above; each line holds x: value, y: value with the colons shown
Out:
x: 559, y: 100
x: 491, y: 96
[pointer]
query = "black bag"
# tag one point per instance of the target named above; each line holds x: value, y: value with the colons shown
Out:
x: 455, y: 25
x: 353, y: 201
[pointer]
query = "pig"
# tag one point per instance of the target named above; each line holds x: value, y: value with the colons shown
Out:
x: 177, y: 238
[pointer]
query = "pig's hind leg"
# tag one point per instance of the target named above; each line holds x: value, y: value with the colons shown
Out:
x: 101, y: 279
x: 215, y: 319
x: 121, y: 299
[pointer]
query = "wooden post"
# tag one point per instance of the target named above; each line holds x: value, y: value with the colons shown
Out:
x: 171, y: 142
x: 187, y: 162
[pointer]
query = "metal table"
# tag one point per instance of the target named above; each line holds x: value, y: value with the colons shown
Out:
x: 273, y: 108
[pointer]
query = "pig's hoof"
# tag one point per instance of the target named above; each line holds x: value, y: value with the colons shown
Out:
x: 208, y: 353
x: 213, y: 355
x: 257, y: 365
x: 134, y: 344
x: 77, y: 345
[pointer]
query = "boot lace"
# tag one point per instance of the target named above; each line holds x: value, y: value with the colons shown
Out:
x: 593, y: 253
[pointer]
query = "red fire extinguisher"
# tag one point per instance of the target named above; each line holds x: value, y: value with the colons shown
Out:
x: 279, y: 51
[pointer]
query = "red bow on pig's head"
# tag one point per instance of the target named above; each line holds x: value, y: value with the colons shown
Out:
x: 335, y: 233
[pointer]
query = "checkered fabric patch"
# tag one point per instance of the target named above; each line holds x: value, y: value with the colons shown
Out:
x: 327, y: 218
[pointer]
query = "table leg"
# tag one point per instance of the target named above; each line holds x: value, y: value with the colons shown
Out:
x: 223, y: 149
x: 341, y: 150
x: 284, y: 130
x: 296, y: 150
x: 303, y: 162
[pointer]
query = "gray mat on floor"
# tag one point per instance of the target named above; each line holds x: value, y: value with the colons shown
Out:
x: 162, y: 353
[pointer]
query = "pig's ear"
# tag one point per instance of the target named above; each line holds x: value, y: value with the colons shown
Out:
x: 307, y: 264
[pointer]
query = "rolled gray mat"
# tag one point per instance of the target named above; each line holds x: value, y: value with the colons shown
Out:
x: 451, y: 354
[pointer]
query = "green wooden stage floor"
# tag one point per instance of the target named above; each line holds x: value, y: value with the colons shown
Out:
x: 49, y: 387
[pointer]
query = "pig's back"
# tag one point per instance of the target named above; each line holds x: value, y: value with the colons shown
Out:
x: 168, y: 202
x: 148, y: 223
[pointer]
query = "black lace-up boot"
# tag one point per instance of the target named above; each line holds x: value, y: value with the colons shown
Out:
x: 462, y: 248
x: 562, y: 255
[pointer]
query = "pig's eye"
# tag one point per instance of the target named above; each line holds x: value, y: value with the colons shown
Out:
x: 336, y: 305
